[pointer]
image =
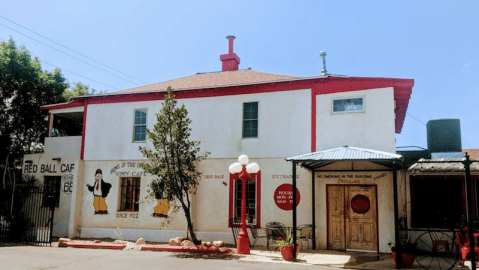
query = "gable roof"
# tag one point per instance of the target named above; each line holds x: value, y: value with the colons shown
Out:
x: 213, y: 79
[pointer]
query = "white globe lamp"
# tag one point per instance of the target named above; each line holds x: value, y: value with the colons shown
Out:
x: 252, y: 168
x: 243, y: 159
x: 235, y: 168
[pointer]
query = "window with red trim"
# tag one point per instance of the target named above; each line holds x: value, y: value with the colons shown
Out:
x: 253, y: 200
x: 129, y: 194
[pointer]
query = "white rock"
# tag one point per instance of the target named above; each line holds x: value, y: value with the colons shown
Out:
x: 63, y: 240
x: 188, y: 243
x: 223, y: 249
x: 173, y: 242
x: 207, y: 244
x: 218, y: 243
x: 120, y: 242
x: 140, y: 241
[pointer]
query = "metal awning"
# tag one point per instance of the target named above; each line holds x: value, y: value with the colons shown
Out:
x: 316, y: 160
x: 443, y: 165
x: 320, y: 159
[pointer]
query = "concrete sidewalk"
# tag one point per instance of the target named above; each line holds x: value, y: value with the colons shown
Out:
x: 347, y: 260
x: 326, y: 258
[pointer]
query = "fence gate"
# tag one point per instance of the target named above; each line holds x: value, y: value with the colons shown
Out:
x: 26, y: 214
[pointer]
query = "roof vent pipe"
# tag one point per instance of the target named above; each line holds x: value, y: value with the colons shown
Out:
x: 322, y: 54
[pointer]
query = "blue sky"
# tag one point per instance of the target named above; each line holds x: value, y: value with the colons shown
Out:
x: 436, y: 43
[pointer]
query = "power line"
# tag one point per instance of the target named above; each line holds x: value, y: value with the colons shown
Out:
x: 415, y: 118
x: 69, y: 55
x: 464, y: 143
x: 72, y: 49
x: 79, y: 75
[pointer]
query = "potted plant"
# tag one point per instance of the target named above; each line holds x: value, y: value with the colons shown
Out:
x: 286, y: 245
x: 408, y: 252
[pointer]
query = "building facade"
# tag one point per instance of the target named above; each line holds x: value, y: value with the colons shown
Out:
x: 268, y: 117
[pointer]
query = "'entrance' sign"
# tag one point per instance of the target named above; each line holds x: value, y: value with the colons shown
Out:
x: 283, y: 197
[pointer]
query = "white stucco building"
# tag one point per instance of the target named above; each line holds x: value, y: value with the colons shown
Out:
x: 268, y: 117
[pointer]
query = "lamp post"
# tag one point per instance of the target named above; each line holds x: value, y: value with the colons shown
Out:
x: 243, y: 171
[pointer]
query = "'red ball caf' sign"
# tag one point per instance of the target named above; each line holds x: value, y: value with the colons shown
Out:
x: 283, y: 197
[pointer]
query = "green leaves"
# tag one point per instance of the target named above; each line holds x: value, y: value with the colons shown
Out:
x: 24, y: 87
x: 79, y: 90
x: 173, y: 160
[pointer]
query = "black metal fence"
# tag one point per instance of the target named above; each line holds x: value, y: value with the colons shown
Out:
x: 26, y: 214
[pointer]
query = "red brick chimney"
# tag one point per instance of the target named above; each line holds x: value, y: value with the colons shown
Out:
x: 231, y: 60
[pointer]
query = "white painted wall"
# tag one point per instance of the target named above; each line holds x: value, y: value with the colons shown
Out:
x: 62, y: 213
x: 69, y: 146
x: 210, y: 205
x: 372, y: 129
x: 284, y: 126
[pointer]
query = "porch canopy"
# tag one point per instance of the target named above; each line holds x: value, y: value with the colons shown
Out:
x: 316, y: 160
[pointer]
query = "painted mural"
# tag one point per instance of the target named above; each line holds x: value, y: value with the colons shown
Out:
x: 162, y: 201
x: 100, y: 190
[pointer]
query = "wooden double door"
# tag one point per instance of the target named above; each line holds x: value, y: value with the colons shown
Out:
x: 352, y: 217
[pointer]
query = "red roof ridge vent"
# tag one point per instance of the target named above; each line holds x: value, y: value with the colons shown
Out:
x: 231, y: 60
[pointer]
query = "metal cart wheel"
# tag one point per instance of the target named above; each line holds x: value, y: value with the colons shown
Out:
x: 435, y: 251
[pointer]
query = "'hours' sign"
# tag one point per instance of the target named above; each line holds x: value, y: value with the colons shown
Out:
x: 283, y: 197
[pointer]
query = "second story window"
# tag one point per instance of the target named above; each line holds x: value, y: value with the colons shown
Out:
x: 139, y: 128
x: 250, y: 120
x: 348, y: 105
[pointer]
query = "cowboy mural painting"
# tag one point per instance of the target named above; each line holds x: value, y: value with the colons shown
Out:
x: 100, y: 190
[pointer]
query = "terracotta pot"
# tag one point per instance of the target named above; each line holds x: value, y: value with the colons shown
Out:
x: 407, y: 259
x: 287, y: 252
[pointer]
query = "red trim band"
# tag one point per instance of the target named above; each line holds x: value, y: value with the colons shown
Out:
x: 85, y: 107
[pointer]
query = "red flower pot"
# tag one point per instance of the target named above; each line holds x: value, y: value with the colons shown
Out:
x: 407, y: 259
x: 287, y: 252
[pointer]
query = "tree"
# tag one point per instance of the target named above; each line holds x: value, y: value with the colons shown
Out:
x: 175, y: 157
x: 80, y: 90
x: 24, y: 87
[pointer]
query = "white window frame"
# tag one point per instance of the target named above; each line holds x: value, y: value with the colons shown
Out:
x: 356, y: 111
x: 135, y: 125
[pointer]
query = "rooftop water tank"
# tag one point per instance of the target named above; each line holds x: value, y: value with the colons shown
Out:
x: 444, y: 135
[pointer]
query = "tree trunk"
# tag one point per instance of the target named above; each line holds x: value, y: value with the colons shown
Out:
x: 190, y: 225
